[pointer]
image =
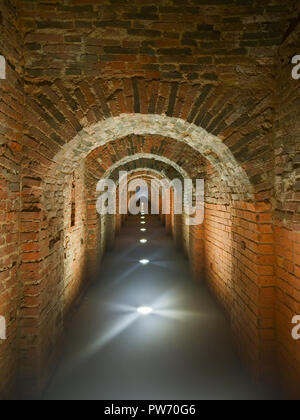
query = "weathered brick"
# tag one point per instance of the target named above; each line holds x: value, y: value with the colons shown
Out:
x: 77, y: 72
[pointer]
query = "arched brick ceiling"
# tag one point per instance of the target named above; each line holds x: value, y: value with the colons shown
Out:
x: 60, y: 119
x: 155, y: 166
x: 190, y: 40
x: 151, y: 158
x: 145, y: 173
x: 159, y: 165
x: 56, y: 112
x: 152, y: 177
x: 176, y: 160
x: 152, y: 148
x: 207, y: 63
x: 197, y: 139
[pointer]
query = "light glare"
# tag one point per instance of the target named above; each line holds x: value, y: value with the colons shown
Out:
x: 144, y: 262
x: 144, y: 310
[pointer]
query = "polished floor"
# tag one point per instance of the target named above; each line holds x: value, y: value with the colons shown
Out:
x: 182, y: 351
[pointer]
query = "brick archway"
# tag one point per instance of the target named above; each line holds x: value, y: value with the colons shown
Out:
x: 210, y: 146
x: 153, y: 178
x: 54, y: 261
x: 213, y: 75
x: 148, y: 156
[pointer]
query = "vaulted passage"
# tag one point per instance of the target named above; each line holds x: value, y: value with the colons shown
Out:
x: 183, y: 350
x: 170, y: 91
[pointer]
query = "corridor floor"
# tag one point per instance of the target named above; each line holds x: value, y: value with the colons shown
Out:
x: 182, y: 351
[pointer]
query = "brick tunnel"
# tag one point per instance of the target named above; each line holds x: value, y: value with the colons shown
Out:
x: 194, y: 89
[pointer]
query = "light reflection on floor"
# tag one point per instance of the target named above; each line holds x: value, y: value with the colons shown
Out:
x: 182, y: 350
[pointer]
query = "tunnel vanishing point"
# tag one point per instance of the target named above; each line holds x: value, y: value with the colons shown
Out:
x: 197, y: 88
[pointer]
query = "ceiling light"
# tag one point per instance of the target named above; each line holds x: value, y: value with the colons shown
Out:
x: 144, y: 262
x: 143, y: 223
x: 143, y: 241
x: 143, y: 230
x: 144, y: 310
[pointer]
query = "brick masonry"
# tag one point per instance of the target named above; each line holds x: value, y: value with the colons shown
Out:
x: 11, y: 129
x: 200, y: 89
x: 287, y: 211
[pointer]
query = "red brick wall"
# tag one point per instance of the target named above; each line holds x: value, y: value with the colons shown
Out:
x: 86, y: 62
x: 185, y: 235
x: 11, y: 127
x: 89, y: 38
x: 53, y: 276
x: 287, y: 213
x: 235, y: 247
x: 118, y: 217
x: 94, y: 235
x: 75, y: 241
x: 197, y: 251
x: 253, y: 294
x: 178, y: 220
x: 287, y: 306
x: 172, y: 221
x: 168, y: 223
x: 219, y: 253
